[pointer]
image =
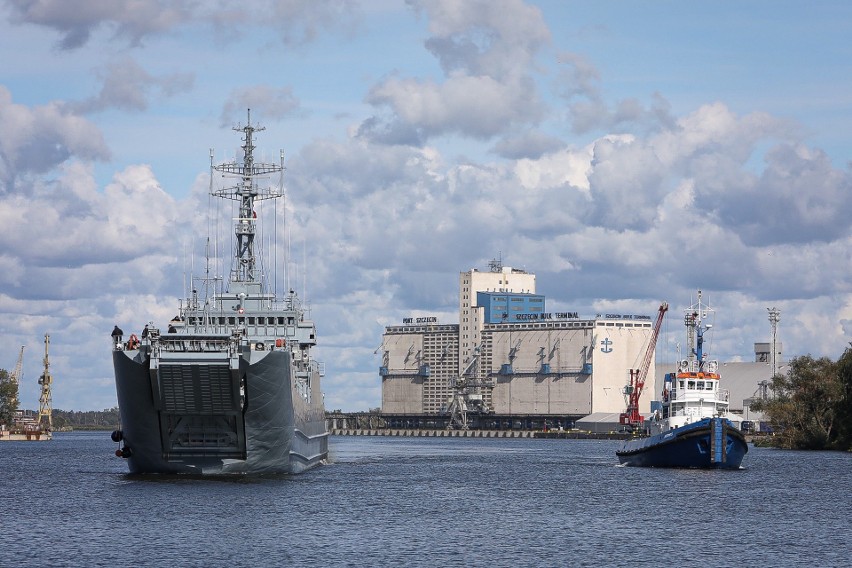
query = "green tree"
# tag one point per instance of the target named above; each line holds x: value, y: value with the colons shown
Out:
x: 805, y: 408
x: 844, y: 405
x: 8, y: 398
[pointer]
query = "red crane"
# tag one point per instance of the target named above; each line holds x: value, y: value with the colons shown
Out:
x: 633, y: 391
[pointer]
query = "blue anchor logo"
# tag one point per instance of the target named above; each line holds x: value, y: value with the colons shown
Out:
x: 607, y: 346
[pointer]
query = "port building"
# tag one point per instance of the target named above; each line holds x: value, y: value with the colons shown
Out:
x: 531, y: 366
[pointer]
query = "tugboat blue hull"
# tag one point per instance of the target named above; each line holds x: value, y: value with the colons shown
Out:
x: 712, y: 443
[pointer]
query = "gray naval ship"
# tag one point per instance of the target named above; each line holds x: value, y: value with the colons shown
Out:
x: 231, y: 385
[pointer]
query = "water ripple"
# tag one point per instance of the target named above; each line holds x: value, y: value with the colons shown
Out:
x: 425, y: 502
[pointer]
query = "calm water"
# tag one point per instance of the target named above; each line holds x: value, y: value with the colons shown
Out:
x: 425, y: 502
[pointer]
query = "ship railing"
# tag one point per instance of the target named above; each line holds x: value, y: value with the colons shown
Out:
x: 687, y: 394
x: 696, y: 366
x: 194, y: 343
x: 721, y: 395
x: 302, y: 382
x: 246, y: 225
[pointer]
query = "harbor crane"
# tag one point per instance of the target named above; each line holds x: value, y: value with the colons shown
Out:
x: 467, y: 394
x: 633, y: 391
x: 16, y: 376
x: 45, y: 407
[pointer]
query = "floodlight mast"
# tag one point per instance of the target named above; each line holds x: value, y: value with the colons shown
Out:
x: 774, y: 318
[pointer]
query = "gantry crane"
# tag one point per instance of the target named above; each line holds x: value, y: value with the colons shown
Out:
x: 466, y: 394
x: 633, y: 391
x: 45, y: 406
x: 16, y: 376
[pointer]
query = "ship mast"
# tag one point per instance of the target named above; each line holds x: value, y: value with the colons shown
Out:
x: 247, y: 191
x: 696, y: 325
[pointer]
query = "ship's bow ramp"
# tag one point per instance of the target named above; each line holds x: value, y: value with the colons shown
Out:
x: 197, y: 385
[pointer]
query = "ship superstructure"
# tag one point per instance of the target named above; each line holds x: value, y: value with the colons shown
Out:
x: 231, y: 386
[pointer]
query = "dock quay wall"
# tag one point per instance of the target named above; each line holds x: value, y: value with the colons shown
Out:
x: 432, y: 433
x: 374, y: 420
x: 35, y: 436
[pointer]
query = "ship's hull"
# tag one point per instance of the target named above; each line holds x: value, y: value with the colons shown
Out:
x: 215, y: 413
x: 711, y: 443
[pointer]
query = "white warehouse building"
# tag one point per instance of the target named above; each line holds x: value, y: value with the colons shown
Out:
x: 529, y: 361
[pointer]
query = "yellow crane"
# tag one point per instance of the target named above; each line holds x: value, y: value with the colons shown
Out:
x: 45, y: 402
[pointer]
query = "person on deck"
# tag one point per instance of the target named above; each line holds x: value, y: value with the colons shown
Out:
x: 117, y: 336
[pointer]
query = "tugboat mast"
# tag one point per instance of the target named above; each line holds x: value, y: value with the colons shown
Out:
x: 696, y: 325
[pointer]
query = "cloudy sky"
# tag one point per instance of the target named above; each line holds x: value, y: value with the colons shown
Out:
x: 625, y: 152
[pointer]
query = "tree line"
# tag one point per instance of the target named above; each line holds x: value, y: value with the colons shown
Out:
x: 106, y: 419
x: 811, y: 405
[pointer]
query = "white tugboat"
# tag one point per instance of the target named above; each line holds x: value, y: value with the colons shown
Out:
x: 693, y: 429
x: 231, y: 386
